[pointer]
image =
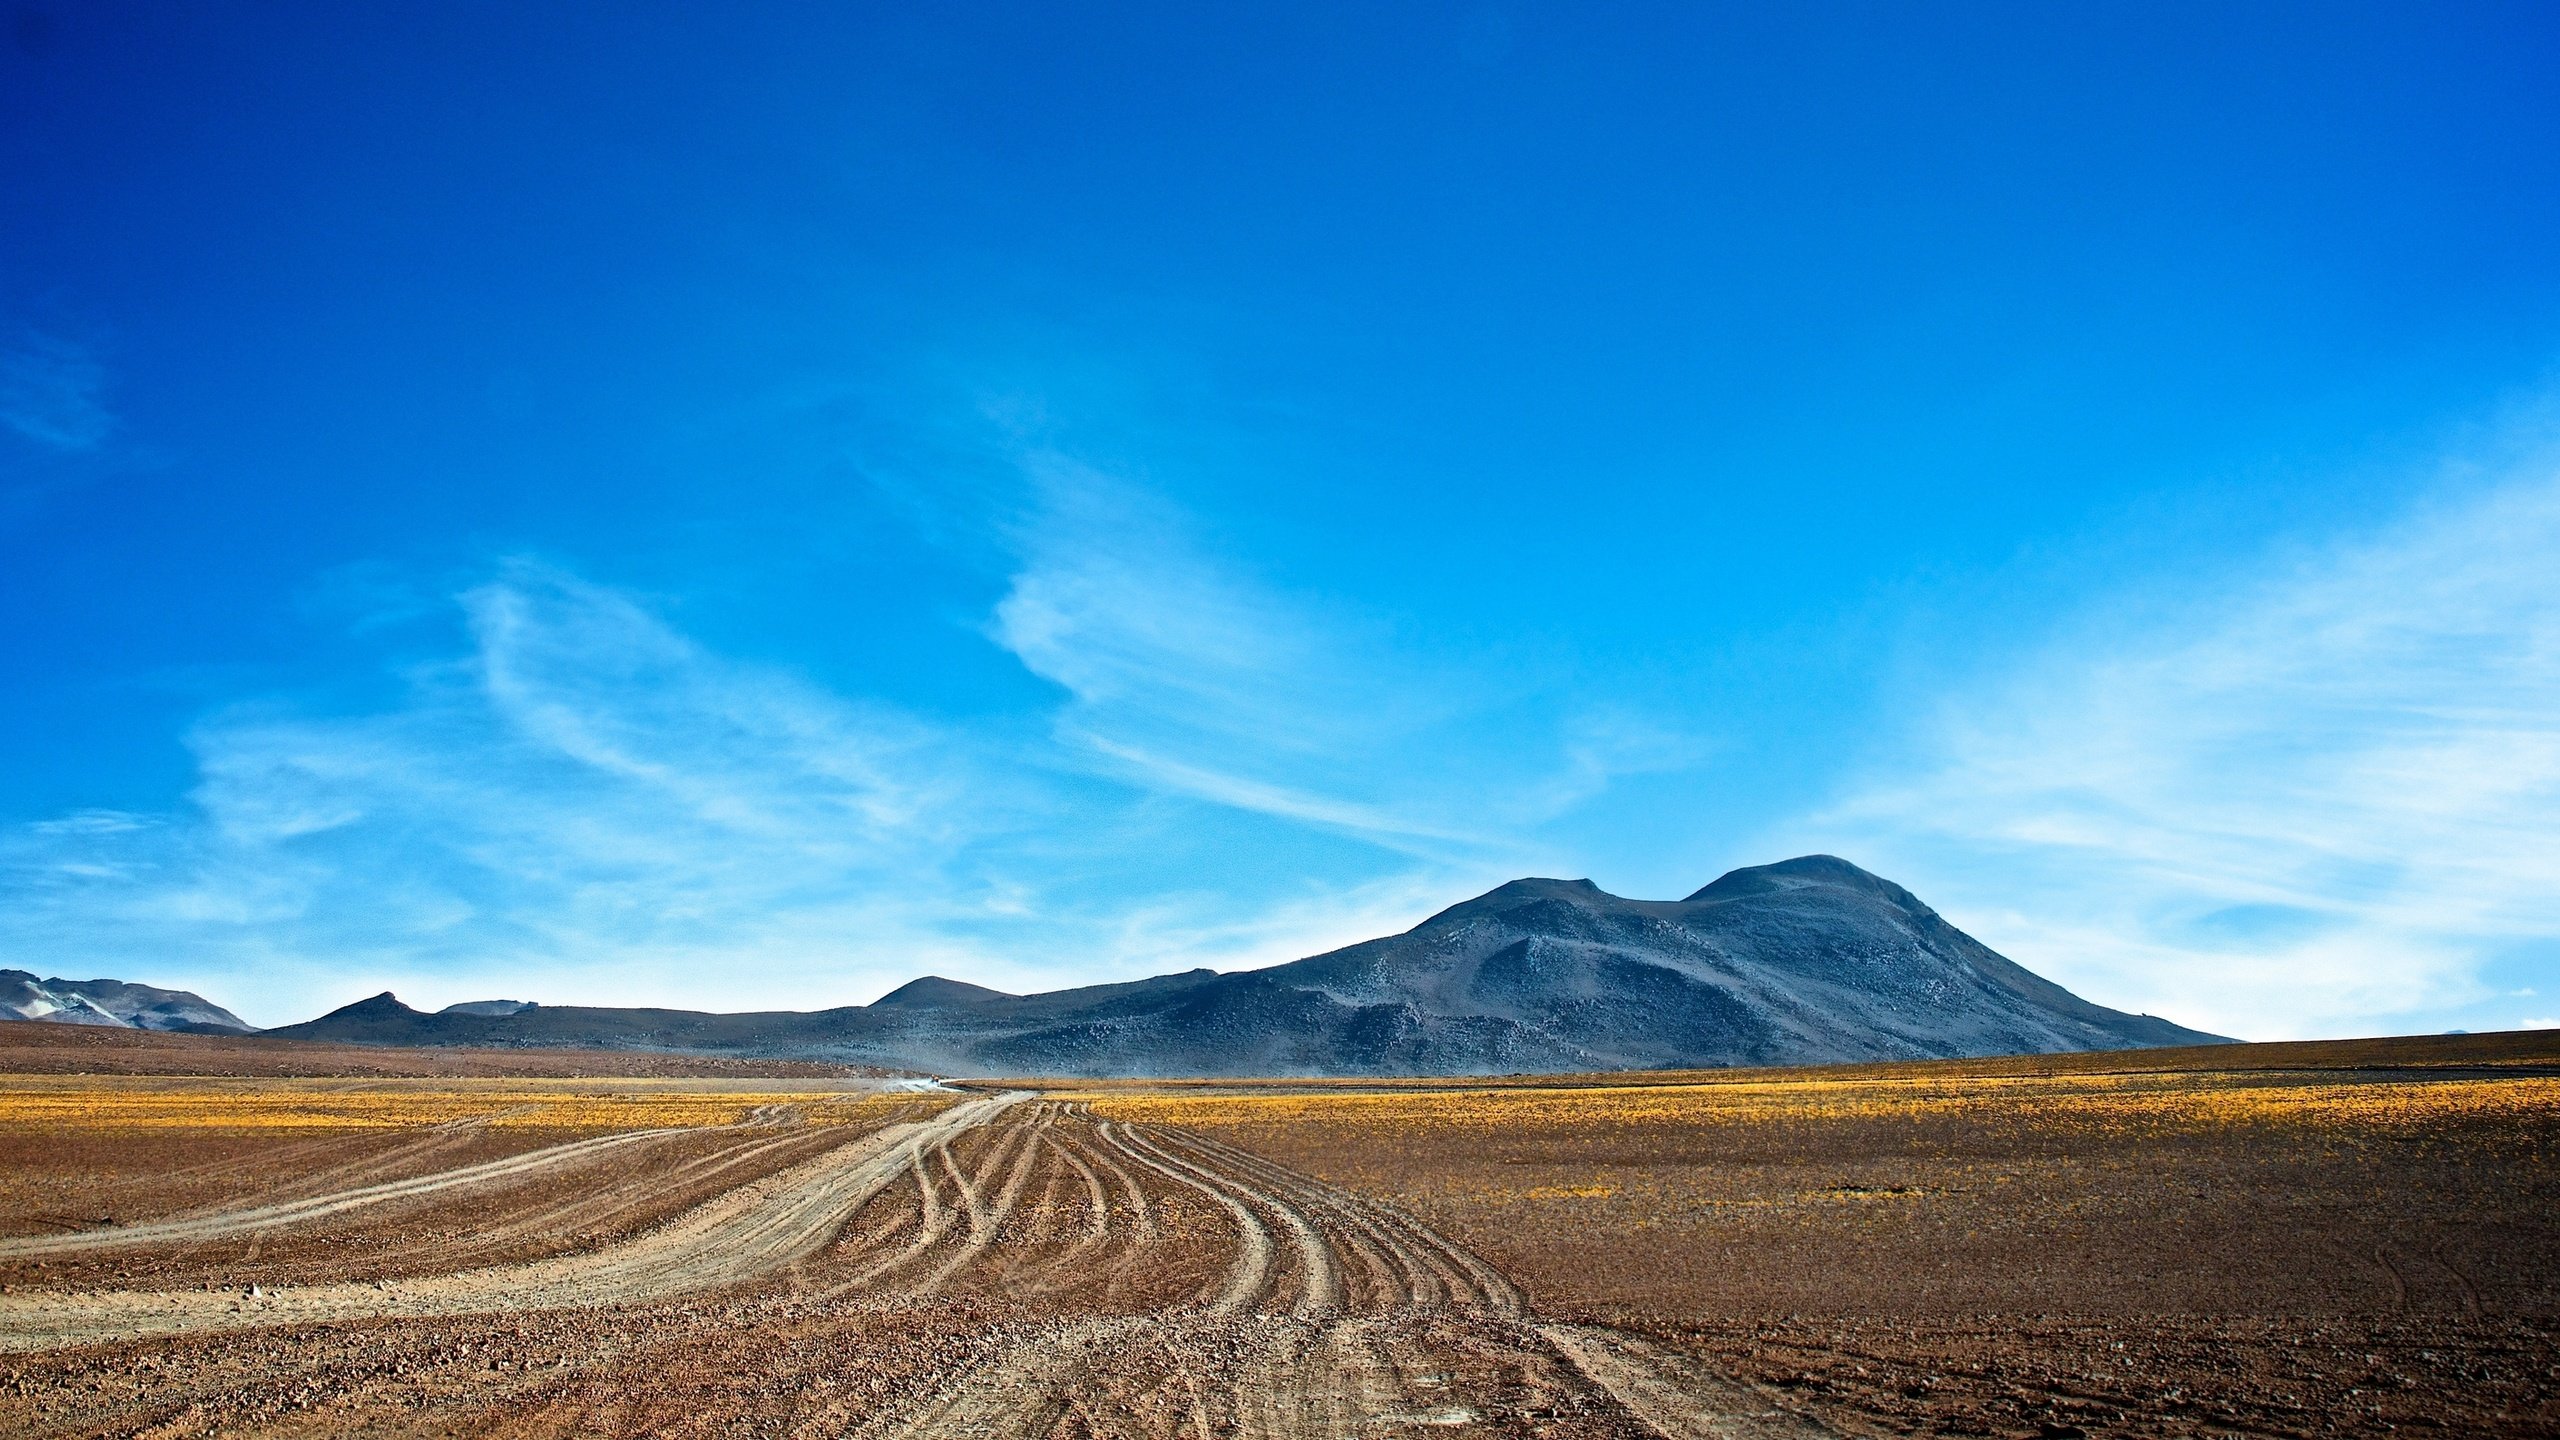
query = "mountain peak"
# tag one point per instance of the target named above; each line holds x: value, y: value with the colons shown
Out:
x: 932, y: 991
x: 383, y: 1005
x: 1544, y: 889
x: 1529, y: 889
x: 491, y: 1008
x: 1797, y: 873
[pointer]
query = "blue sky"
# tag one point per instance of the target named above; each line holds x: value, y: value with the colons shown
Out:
x: 739, y: 506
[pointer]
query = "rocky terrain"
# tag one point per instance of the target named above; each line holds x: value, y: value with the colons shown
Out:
x: 1809, y: 961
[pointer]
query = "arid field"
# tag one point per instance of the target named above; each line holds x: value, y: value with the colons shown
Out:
x: 2279, y: 1239
x: 2348, y: 1238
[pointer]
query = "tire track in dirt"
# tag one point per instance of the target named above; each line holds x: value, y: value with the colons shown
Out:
x: 1284, y: 1349
x: 1677, y: 1396
x: 220, y: 1224
x: 1097, y: 1195
x: 1663, y: 1388
x: 932, y: 1221
x: 1268, y: 1354
x: 1117, y: 1237
x: 1256, y: 1264
x: 1022, y: 1145
x: 1389, y: 1276
x: 1021, y: 1392
x: 1318, y: 1255
x: 1318, y: 1269
x: 601, y: 1208
x: 1333, y: 1318
x: 1435, y: 1269
x: 273, y: 1175
x: 276, y: 1166
x: 1128, y: 1215
x: 928, y: 1191
x: 740, y: 1235
x: 1142, y: 1213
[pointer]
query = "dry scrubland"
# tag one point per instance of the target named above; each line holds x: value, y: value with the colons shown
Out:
x: 2270, y: 1240
x: 93, y: 1050
x: 132, y: 1106
x: 2300, y: 1239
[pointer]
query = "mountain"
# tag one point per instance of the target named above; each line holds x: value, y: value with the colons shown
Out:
x: 487, y: 1007
x: 1808, y: 961
x: 112, y: 1003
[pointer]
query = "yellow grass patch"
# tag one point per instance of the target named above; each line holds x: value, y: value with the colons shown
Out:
x: 152, y: 1103
x: 2132, y: 1104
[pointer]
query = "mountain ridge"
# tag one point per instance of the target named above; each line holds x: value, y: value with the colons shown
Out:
x: 114, y: 1004
x: 1805, y: 961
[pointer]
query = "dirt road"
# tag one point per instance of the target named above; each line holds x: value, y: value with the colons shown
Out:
x: 737, y: 1237
x: 1012, y: 1267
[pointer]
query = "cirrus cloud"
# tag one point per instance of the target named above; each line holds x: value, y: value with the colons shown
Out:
x: 2321, y: 798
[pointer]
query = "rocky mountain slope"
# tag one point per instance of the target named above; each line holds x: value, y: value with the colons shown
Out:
x: 1807, y: 961
x: 112, y: 1003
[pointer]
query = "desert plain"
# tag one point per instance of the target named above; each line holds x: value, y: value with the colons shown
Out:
x: 230, y: 1237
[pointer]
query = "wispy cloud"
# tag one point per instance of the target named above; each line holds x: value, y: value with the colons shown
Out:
x: 1165, y: 652
x: 1185, y: 674
x: 2299, y: 804
x: 52, y: 393
x: 576, y: 801
x: 583, y: 792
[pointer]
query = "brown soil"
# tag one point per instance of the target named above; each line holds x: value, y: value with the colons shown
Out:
x: 1010, y: 1266
x: 34, y: 1047
x: 561, y: 1192
x: 2511, y: 1052
x: 2274, y: 1249
x: 2269, y: 1250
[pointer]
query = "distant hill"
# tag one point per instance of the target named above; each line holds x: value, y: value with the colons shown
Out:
x: 112, y: 1003
x: 487, y: 1007
x: 1808, y: 961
